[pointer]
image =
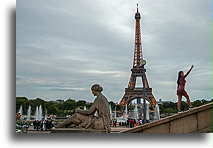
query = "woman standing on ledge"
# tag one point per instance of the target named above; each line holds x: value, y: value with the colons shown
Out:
x: 181, y: 88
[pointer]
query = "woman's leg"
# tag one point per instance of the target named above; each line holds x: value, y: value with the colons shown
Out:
x: 179, y: 101
x: 187, y: 98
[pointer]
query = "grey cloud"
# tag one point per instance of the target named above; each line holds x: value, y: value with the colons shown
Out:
x: 63, y: 47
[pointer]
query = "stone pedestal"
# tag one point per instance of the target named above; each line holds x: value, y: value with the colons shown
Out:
x: 76, y: 130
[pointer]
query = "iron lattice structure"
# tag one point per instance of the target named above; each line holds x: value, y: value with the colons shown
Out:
x: 132, y: 92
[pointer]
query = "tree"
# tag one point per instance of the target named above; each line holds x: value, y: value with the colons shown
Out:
x: 88, y: 105
x: 69, y: 105
x: 197, y: 103
x: 168, y: 110
x: 113, y: 105
x: 22, y: 101
x: 68, y: 112
x: 48, y: 103
x: 118, y: 107
x: 52, y: 109
x: 36, y: 102
x: 60, y: 106
x: 184, y: 106
x: 81, y: 103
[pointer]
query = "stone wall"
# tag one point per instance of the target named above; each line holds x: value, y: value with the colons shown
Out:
x: 196, y: 120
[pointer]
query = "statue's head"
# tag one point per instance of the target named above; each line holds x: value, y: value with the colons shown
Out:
x: 18, y: 116
x: 96, y: 89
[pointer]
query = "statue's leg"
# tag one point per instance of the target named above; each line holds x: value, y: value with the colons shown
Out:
x: 65, y: 123
x: 87, y: 121
x: 80, y: 120
x: 72, y: 121
x: 75, y: 121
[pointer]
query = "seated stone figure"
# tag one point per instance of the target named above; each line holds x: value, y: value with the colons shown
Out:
x: 86, y: 118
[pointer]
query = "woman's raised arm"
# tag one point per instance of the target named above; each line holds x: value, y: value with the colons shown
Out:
x: 188, y: 71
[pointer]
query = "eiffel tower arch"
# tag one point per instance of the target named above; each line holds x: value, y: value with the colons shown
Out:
x: 138, y: 71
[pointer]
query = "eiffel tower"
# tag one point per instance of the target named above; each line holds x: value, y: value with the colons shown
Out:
x: 138, y: 70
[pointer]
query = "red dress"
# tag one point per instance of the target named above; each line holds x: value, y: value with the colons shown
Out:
x: 181, y: 88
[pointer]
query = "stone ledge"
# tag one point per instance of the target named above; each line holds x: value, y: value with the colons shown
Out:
x: 205, y: 130
x: 76, y: 130
x: 169, y: 118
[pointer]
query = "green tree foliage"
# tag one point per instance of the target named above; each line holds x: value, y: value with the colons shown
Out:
x: 60, y: 106
x: 36, y: 102
x: 52, y: 109
x: 88, y: 105
x: 131, y: 107
x: 68, y: 107
x: 118, y: 107
x: 69, y: 104
x: 81, y: 103
x: 49, y: 103
x: 168, y: 110
x: 22, y: 101
x: 197, y: 103
x: 113, y: 105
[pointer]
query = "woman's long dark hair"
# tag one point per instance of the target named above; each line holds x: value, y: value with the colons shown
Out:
x: 179, y: 76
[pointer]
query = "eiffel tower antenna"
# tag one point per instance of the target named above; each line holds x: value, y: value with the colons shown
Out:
x: 137, y: 8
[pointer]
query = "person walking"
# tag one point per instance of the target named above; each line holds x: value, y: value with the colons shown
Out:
x: 41, y: 125
x: 34, y: 124
x: 181, y: 88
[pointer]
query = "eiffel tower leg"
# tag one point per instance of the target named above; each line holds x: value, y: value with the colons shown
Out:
x: 152, y: 100
x: 144, y: 97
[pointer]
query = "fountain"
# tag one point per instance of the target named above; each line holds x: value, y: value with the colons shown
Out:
x: 21, y: 112
x: 126, y: 112
x: 136, y: 112
x: 147, y: 112
x: 28, y: 113
x: 36, y: 114
x: 45, y: 116
x: 115, y: 114
x: 110, y: 111
x: 157, y: 113
x: 85, y: 108
x: 40, y: 113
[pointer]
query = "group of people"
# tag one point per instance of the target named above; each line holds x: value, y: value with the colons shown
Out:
x: 43, y: 125
x: 130, y: 122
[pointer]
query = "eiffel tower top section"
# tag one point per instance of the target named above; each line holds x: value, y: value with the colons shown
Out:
x: 138, y: 58
x: 137, y: 14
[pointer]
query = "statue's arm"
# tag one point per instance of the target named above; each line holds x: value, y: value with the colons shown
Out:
x: 91, y: 110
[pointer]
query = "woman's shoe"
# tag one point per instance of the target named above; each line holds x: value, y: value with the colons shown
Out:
x: 180, y: 111
x: 191, y: 107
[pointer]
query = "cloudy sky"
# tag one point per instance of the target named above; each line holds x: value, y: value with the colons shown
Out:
x: 63, y: 47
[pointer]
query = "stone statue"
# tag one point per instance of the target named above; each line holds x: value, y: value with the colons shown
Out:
x: 18, y: 116
x: 86, y: 118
